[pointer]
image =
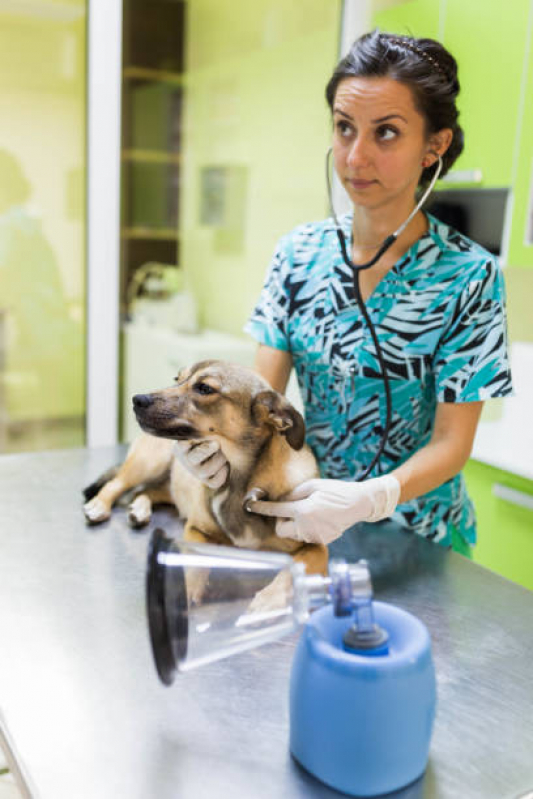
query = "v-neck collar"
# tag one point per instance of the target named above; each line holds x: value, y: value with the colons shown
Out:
x: 392, y: 283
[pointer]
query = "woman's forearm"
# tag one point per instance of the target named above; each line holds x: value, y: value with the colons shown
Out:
x: 427, y: 469
x: 445, y: 454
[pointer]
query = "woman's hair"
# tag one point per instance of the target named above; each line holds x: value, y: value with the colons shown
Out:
x: 425, y: 66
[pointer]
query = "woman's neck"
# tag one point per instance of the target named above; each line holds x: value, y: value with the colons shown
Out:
x: 370, y: 228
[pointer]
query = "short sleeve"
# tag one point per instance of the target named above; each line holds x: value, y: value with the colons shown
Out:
x: 269, y: 321
x: 472, y: 361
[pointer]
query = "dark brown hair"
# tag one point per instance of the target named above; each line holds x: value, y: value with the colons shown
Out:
x: 425, y: 66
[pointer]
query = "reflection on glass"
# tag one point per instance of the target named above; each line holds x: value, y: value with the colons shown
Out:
x: 42, y: 326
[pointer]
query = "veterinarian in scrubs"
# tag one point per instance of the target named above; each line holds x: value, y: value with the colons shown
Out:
x: 435, y: 297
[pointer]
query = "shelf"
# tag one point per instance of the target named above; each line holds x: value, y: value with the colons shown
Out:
x: 151, y: 157
x: 154, y: 234
x: 156, y: 75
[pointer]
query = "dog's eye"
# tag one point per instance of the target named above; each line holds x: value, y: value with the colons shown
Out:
x: 203, y: 388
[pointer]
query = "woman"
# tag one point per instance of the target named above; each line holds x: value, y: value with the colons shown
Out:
x: 436, y: 300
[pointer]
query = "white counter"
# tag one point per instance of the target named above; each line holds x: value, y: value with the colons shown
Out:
x: 507, y: 441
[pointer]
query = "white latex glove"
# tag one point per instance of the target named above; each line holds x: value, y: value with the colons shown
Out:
x: 205, y: 460
x: 319, y: 511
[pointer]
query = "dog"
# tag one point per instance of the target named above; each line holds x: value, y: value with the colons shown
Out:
x: 262, y: 437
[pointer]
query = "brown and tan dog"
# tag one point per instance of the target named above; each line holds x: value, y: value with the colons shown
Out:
x: 260, y: 434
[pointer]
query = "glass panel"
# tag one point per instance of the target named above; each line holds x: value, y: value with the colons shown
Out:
x: 42, y: 224
x: 229, y: 117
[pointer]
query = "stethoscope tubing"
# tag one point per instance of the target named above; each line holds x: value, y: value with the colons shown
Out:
x: 357, y: 269
x: 384, y: 374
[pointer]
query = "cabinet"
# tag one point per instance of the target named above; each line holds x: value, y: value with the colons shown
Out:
x: 153, y: 60
x: 504, y: 508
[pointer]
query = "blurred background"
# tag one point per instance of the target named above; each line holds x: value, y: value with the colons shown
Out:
x: 153, y: 151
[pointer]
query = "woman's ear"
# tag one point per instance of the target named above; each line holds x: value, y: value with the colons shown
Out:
x: 438, y: 144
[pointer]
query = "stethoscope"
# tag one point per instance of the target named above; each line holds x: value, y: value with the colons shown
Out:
x: 388, y: 242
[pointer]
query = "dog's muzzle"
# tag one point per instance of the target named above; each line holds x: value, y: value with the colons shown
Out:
x: 153, y: 419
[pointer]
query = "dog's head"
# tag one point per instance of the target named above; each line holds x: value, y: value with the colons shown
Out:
x: 215, y: 399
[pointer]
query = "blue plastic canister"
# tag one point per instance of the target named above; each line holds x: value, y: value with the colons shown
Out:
x: 361, y: 723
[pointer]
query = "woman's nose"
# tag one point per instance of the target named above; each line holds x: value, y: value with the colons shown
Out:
x: 359, y: 153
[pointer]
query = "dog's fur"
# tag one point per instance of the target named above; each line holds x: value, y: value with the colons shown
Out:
x: 260, y: 434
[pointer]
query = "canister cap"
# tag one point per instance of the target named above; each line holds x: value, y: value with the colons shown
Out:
x: 367, y: 642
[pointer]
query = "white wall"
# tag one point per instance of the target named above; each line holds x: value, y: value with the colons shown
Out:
x: 103, y: 222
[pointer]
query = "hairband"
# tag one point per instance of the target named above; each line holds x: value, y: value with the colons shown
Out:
x: 418, y: 51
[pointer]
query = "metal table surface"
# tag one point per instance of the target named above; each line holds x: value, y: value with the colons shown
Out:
x: 85, y: 716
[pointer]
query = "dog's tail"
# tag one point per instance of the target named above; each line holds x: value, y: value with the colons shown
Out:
x: 92, y: 490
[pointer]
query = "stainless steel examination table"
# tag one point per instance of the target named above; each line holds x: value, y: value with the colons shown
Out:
x: 83, y: 715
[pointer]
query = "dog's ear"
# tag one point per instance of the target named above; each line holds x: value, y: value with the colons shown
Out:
x: 183, y: 374
x: 272, y: 408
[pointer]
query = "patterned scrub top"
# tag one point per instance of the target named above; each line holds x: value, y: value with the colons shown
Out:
x: 439, y: 314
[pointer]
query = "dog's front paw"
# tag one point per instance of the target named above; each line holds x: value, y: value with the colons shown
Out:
x: 96, y: 511
x: 140, y: 511
x: 274, y: 596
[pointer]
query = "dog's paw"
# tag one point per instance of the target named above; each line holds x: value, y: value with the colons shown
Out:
x: 273, y: 597
x: 96, y: 511
x: 140, y: 511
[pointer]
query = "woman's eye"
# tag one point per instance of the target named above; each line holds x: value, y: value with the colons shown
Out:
x: 204, y: 388
x: 343, y: 128
x: 387, y: 133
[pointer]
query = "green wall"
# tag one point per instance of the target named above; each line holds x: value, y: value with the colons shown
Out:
x: 489, y: 101
x: 520, y: 252
x: 256, y: 131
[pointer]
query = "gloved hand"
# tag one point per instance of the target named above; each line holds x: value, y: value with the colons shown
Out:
x: 319, y: 511
x: 205, y: 460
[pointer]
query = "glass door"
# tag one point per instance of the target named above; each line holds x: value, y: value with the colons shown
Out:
x: 42, y: 225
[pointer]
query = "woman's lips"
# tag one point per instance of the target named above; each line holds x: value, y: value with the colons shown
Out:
x: 361, y: 184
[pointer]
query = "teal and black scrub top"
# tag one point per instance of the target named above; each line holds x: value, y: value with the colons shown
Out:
x: 440, y: 317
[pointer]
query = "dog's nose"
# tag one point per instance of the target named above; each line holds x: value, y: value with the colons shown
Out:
x: 142, y: 400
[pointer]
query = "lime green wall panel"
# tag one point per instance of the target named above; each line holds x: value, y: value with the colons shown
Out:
x: 256, y: 130
x: 505, y: 530
x: 521, y: 250
x: 420, y: 18
x: 489, y: 47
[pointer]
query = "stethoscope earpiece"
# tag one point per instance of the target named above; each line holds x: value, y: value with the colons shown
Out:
x: 438, y: 158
